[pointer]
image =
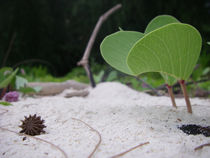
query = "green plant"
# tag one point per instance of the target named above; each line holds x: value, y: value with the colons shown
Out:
x: 5, y: 103
x: 168, y: 46
x: 8, y: 77
x: 20, y: 85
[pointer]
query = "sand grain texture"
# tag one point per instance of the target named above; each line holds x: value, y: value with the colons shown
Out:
x: 123, y: 117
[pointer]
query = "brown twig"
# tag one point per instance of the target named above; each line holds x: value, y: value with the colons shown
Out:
x: 148, y: 86
x: 9, y: 49
x: 125, y: 152
x: 187, y: 100
x: 84, y: 61
x: 99, y: 135
x: 201, y: 146
x: 39, y: 139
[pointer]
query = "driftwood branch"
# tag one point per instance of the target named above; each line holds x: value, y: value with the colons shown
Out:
x: 80, y: 93
x: 52, y: 88
x: 84, y: 61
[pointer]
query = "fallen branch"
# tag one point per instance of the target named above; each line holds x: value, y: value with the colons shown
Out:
x: 99, y: 135
x: 84, y: 61
x: 52, y: 88
x: 39, y: 139
x: 201, y: 146
x: 81, y: 93
x: 125, y: 152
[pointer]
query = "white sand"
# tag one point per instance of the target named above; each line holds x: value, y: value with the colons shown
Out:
x: 124, y: 118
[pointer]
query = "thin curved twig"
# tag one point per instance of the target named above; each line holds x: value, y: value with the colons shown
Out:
x: 39, y: 139
x: 125, y: 152
x: 29, y: 61
x: 9, y: 49
x: 99, y: 135
x: 201, y: 146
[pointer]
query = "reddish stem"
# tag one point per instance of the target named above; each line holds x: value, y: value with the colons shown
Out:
x: 187, y: 100
x: 170, y: 92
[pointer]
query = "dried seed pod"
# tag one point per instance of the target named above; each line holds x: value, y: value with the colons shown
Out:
x: 32, y: 125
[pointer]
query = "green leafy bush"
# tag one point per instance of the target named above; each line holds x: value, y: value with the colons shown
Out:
x: 10, y: 77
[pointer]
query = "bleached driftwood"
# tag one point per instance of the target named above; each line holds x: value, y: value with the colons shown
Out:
x: 52, y: 88
x: 84, y: 61
x: 78, y: 93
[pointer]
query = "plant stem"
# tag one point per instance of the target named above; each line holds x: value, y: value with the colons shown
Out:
x: 187, y: 100
x: 170, y: 92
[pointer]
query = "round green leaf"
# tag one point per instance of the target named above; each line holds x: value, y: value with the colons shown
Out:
x: 156, y: 23
x: 115, y: 48
x: 172, y: 49
x: 160, y: 21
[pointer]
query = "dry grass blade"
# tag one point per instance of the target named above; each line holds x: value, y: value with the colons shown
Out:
x: 201, y: 146
x: 39, y: 139
x: 99, y: 135
x: 125, y: 152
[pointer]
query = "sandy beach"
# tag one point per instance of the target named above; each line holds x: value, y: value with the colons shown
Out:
x: 123, y: 117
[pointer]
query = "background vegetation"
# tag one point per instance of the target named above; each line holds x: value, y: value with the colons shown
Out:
x: 46, y: 38
x: 55, y: 33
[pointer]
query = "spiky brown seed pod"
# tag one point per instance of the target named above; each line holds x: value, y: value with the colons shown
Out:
x: 32, y: 125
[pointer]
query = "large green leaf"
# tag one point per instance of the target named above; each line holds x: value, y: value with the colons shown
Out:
x: 4, y: 73
x: 172, y: 49
x: 115, y: 49
x: 160, y: 21
x: 20, y: 82
x: 4, y: 83
x: 156, y: 23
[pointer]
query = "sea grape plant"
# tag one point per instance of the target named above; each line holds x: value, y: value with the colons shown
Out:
x: 167, y: 46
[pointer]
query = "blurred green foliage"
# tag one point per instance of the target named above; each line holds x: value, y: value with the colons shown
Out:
x: 4, y: 103
x: 7, y: 76
x: 57, y: 31
x: 41, y: 74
